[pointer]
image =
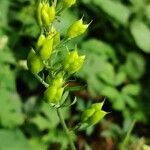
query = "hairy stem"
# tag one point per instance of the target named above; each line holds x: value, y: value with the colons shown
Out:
x: 72, y: 146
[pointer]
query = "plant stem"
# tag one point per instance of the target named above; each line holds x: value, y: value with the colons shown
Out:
x: 72, y: 146
x: 126, y: 139
x: 42, y: 81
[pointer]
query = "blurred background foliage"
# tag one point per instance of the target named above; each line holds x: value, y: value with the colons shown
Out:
x: 117, y: 49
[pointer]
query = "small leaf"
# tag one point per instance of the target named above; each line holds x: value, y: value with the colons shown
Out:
x: 115, y: 9
x: 131, y: 89
x: 110, y: 92
x: 135, y: 65
x: 10, y: 109
x: 13, y: 140
x: 141, y: 35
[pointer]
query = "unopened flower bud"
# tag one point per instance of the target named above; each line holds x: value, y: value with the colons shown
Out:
x: 76, y: 29
x: 93, y: 114
x: 50, y: 93
x: 45, y: 13
x: 51, y: 13
x: 77, y: 64
x: 53, y: 94
x: 34, y: 62
x: 73, y: 62
x: 98, y: 106
x: 68, y: 3
x: 38, y: 13
x: 46, y: 49
x: 58, y: 82
x: 59, y: 95
x: 40, y: 41
x: 96, y: 117
x: 87, y: 113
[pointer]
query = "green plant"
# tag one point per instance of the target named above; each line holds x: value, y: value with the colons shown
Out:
x: 43, y: 61
x: 116, y: 67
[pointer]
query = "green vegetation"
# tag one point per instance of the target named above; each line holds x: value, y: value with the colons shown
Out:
x: 116, y: 68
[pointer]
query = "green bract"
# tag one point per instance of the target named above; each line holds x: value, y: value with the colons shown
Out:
x: 46, y: 47
x: 54, y: 92
x: 68, y: 3
x: 76, y: 29
x: 93, y: 114
x: 45, y: 13
x: 40, y: 41
x: 73, y: 61
x: 34, y: 62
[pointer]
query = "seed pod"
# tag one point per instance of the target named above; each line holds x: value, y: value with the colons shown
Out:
x: 76, y: 29
x: 50, y: 94
x: 68, y: 3
x: 51, y: 13
x: 53, y: 94
x: 46, y: 50
x: 44, y: 14
x: 77, y: 64
x: 34, y: 62
x: 87, y: 113
x: 38, y: 13
x: 70, y: 59
x: 73, y: 62
x: 98, y: 106
x: 58, y: 82
x: 40, y: 41
x: 58, y: 95
x: 96, y: 117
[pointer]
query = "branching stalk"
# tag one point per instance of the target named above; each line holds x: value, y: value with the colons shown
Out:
x: 72, y: 146
x: 42, y: 81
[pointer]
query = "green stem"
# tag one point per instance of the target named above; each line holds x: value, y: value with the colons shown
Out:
x: 72, y: 146
x: 126, y: 139
x: 41, y: 80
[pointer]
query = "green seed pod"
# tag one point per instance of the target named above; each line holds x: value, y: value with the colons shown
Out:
x: 50, y: 94
x: 58, y: 95
x: 44, y: 14
x: 38, y: 13
x: 87, y: 113
x: 58, y: 82
x: 51, y: 13
x: 96, y: 117
x: 76, y: 29
x: 46, y: 50
x: 98, y: 106
x: 73, y: 62
x: 68, y: 3
x: 77, y: 64
x: 34, y: 62
x: 70, y: 59
x: 40, y: 41
x: 53, y: 94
